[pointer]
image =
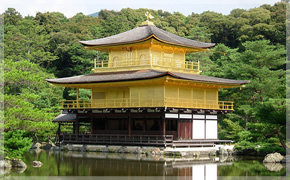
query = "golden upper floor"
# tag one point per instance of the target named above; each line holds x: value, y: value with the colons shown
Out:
x: 147, y: 56
x: 146, y: 47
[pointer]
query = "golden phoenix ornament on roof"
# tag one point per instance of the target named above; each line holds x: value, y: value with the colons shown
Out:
x: 148, y: 15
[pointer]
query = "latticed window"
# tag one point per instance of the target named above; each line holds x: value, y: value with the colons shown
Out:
x: 155, y: 60
x: 129, y: 60
x: 142, y: 59
x: 116, y: 62
x: 178, y: 63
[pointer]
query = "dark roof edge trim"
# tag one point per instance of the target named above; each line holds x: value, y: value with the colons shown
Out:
x: 177, y: 77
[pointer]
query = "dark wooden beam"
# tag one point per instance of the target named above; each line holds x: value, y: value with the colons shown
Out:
x: 129, y: 124
x: 58, y: 133
x: 77, y: 127
x: 163, y: 125
x: 74, y: 127
x: 92, y: 125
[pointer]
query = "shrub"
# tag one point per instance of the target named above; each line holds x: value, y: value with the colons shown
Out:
x: 257, y: 148
x: 16, y: 143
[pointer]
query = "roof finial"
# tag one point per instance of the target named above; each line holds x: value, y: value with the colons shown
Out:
x: 148, y: 15
x: 148, y: 22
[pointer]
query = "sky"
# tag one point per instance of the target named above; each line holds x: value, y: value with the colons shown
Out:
x: 71, y: 7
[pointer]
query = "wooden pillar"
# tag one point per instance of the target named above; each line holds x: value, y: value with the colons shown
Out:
x: 77, y: 127
x: 58, y: 129
x: 74, y: 127
x: 178, y: 128
x: 58, y: 133
x: 145, y: 125
x: 106, y: 125
x: 129, y: 124
x: 92, y: 125
x: 163, y: 126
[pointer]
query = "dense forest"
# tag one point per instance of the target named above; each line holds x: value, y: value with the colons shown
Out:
x: 47, y: 45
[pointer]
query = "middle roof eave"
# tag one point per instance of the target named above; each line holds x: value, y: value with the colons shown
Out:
x: 141, y: 75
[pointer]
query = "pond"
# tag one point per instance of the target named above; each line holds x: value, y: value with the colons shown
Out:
x: 72, y: 163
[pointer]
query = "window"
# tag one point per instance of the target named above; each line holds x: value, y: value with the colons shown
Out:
x: 171, y: 125
x: 116, y: 62
x: 211, y: 129
x: 99, y: 124
x: 152, y: 125
x: 112, y: 124
x: 178, y: 63
x: 198, y: 129
x: 142, y: 59
x: 155, y: 60
x: 138, y: 125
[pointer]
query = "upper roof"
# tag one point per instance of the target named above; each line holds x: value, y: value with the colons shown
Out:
x: 145, y: 32
x: 141, y: 75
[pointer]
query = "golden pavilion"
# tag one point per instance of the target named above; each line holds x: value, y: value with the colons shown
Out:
x: 146, y: 93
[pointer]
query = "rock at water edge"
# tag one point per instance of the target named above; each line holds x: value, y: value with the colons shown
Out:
x: 5, y: 164
x: 273, y: 158
x: 37, y: 164
x: 18, y: 163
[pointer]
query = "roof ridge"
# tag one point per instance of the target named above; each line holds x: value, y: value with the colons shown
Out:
x: 161, y: 30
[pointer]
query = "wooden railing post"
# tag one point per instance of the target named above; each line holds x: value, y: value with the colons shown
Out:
x: 78, y: 98
x: 95, y: 63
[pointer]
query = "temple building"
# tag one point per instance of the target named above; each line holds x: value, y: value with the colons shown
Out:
x: 145, y: 93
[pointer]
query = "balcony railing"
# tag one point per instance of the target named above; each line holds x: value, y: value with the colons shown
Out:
x: 133, y: 64
x: 158, y: 140
x: 132, y: 103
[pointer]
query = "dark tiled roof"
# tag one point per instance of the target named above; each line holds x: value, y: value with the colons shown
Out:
x: 70, y: 117
x: 143, y: 32
x: 202, y: 78
x: 141, y: 75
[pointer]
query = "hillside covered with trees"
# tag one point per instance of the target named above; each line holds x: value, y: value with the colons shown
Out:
x: 47, y: 45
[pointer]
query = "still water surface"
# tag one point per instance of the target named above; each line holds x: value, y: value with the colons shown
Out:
x: 108, y: 164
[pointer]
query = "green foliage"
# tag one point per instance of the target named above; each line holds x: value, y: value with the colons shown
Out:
x: 17, y: 142
x: 266, y: 148
x: 84, y: 94
x: 27, y: 40
x: 22, y: 115
x: 12, y: 17
x: 232, y: 130
x: 257, y: 148
x: 24, y: 77
x: 30, y: 102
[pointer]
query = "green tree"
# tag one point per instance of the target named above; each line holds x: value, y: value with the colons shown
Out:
x: 27, y: 40
x: 261, y: 63
x: 274, y: 113
x: 220, y: 26
x: 51, y: 21
x: 30, y: 102
x: 12, y: 17
x: 16, y: 143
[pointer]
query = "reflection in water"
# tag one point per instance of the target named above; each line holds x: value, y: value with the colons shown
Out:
x: 108, y: 164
